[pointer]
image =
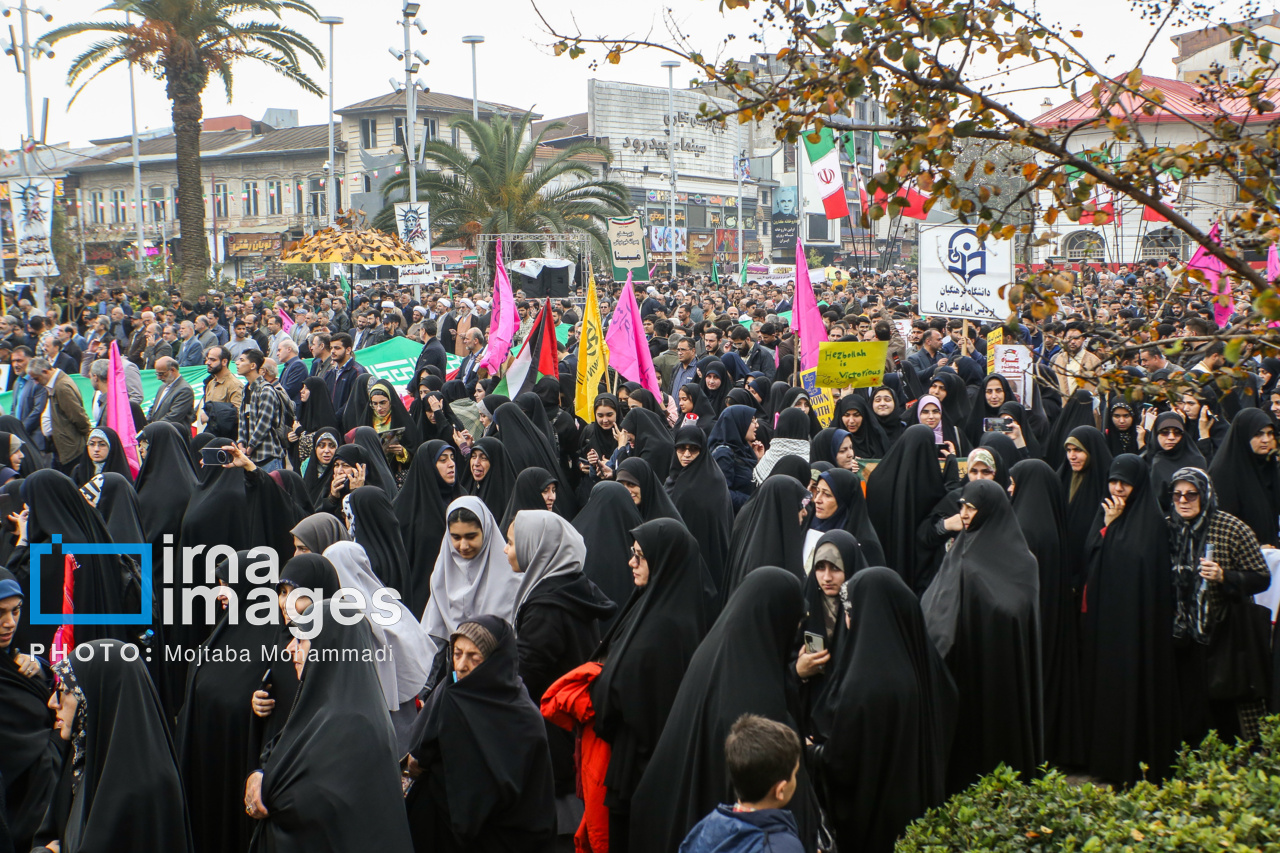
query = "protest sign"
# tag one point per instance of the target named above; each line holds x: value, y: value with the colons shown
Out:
x: 851, y: 365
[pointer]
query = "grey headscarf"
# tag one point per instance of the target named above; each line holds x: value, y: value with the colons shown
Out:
x: 404, y: 670
x: 547, y: 546
x: 464, y: 589
x: 319, y: 531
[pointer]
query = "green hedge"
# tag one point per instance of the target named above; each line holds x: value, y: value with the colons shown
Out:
x: 1219, y: 798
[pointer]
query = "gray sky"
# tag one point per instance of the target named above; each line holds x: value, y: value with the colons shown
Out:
x: 514, y: 67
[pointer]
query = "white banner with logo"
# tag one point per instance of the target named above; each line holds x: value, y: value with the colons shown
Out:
x: 1014, y: 362
x: 32, y: 203
x: 961, y: 276
x: 413, y: 224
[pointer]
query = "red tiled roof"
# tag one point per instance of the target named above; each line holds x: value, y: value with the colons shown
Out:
x: 1182, y: 100
x: 228, y: 123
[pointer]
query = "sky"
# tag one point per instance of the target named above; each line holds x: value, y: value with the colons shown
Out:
x: 516, y: 66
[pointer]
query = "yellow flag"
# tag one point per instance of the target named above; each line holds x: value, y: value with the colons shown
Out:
x: 593, y: 356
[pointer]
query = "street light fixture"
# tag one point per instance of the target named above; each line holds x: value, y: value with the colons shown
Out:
x: 475, y: 104
x: 671, y: 65
x: 331, y: 22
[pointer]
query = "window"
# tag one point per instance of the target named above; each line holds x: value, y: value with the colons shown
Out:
x: 158, y: 204
x: 399, y: 132
x: 368, y: 133
x: 249, y: 198
x: 368, y: 183
x: 119, y: 207
x: 1079, y: 245
x: 818, y: 226
x: 221, y: 201
x: 430, y: 129
x: 316, y: 200
x: 764, y: 198
x: 275, y: 198
x: 97, y: 208
x: 697, y: 216
x: 455, y: 136
x: 764, y: 227
x: 861, y: 110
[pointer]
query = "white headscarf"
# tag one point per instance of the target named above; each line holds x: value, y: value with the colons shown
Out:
x: 547, y: 546
x: 463, y: 589
x: 406, y: 667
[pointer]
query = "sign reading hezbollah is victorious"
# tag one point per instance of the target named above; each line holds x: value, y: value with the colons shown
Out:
x: 627, y: 246
x: 961, y: 276
x: 851, y: 365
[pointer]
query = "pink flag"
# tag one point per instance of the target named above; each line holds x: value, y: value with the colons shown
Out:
x: 805, y: 316
x: 285, y: 322
x: 628, y: 349
x: 1273, y: 264
x: 119, y: 414
x: 504, y: 324
x: 1213, y: 270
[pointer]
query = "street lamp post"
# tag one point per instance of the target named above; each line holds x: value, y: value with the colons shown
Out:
x: 331, y: 22
x: 475, y: 104
x: 671, y: 65
x: 140, y: 263
x: 26, y: 48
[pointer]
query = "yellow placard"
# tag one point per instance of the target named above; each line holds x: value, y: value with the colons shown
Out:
x: 851, y: 365
x: 995, y: 337
x: 102, y: 270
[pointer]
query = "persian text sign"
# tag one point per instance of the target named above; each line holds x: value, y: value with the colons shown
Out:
x: 851, y: 365
x: 626, y: 244
x: 32, y: 202
x: 961, y: 276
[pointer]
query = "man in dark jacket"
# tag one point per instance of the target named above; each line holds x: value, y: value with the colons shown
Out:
x: 342, y: 378
x: 433, y: 353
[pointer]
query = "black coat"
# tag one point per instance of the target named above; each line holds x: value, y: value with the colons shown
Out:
x: 557, y: 629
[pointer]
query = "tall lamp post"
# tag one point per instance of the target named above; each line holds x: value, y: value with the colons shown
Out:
x: 671, y: 65
x: 329, y: 194
x: 475, y: 104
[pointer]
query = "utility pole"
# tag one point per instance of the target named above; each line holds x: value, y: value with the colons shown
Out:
x: 41, y: 49
x: 737, y: 171
x: 329, y: 194
x: 671, y: 65
x: 140, y: 260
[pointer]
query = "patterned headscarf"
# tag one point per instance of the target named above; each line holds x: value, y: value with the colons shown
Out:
x: 1191, y: 617
x: 67, y: 676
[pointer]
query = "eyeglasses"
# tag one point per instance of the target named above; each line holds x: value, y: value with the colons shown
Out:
x: 1186, y: 497
x: 637, y: 553
x: 1170, y: 432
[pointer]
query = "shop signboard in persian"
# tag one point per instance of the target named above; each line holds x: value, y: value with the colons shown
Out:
x: 627, y: 245
x: 413, y: 223
x: 32, y: 204
x: 961, y: 276
x: 254, y: 245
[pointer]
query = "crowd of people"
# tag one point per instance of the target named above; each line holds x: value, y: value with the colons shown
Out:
x: 697, y: 620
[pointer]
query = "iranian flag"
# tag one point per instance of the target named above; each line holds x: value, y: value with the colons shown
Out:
x: 824, y: 158
x: 537, y: 357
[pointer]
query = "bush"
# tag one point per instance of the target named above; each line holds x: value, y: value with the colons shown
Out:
x: 1219, y: 797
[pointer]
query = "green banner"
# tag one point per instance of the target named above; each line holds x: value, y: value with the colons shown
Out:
x: 392, y: 360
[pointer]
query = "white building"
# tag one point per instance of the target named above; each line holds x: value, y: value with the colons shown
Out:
x: 1131, y: 236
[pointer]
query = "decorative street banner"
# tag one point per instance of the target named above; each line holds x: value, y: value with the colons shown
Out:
x: 32, y: 203
x: 627, y: 245
x: 961, y: 276
x: 413, y: 222
x: 851, y: 365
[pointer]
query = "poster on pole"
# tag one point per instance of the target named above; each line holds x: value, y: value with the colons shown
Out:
x: 961, y: 276
x: 32, y: 203
x: 413, y: 223
x: 628, y: 249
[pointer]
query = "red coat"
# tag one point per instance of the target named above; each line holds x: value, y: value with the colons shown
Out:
x: 567, y: 704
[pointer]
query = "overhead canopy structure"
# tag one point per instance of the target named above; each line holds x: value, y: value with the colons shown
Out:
x: 352, y: 246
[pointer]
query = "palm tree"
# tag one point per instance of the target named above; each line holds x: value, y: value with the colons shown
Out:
x: 184, y: 42
x: 498, y: 189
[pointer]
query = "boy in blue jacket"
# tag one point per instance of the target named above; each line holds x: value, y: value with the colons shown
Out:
x: 763, y: 758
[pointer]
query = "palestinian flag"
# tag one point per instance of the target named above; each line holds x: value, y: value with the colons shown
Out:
x: 537, y: 357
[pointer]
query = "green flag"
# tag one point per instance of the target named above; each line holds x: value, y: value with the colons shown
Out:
x: 342, y: 277
x: 715, y: 271
x: 742, y: 280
